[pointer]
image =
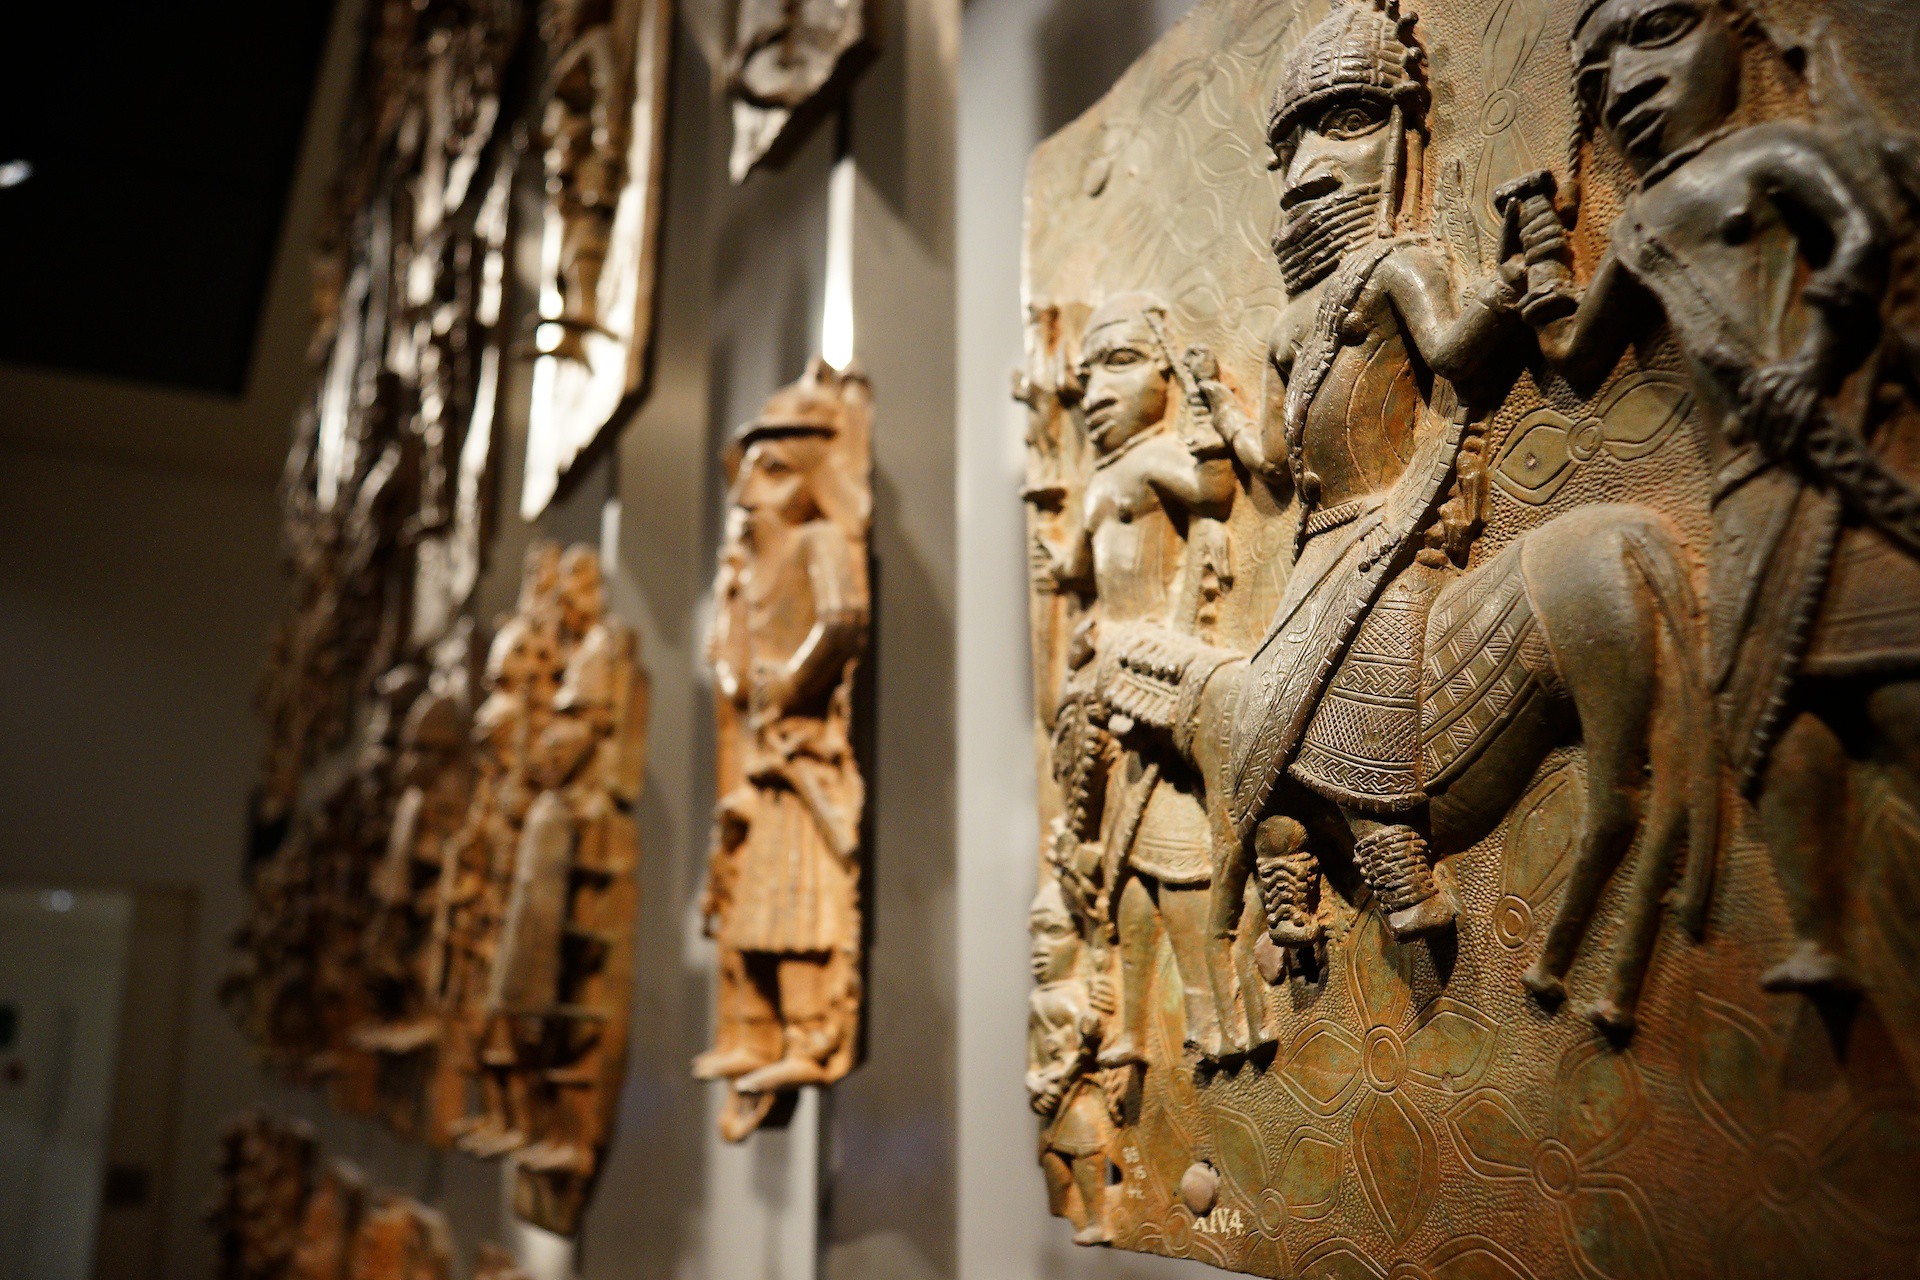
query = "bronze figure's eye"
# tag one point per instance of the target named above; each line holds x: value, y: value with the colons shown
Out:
x: 1352, y: 121
x: 1664, y: 26
x: 1590, y: 82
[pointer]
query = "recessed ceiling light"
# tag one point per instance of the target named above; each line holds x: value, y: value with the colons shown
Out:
x: 14, y: 172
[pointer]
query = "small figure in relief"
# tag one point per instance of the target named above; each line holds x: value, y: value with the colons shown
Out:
x: 1148, y: 546
x: 783, y: 897
x: 1063, y: 1033
x: 1768, y: 246
x: 584, y: 131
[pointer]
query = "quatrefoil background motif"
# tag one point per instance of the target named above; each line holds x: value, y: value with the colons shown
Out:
x: 1444, y: 1046
x: 1630, y: 421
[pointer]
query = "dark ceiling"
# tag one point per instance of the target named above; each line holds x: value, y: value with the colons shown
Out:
x: 163, y: 140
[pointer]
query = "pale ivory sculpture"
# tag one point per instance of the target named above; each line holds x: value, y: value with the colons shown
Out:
x: 783, y: 898
x: 601, y: 126
x: 1473, y: 466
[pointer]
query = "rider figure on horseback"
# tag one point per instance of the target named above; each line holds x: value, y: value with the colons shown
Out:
x: 1767, y: 246
x: 1385, y: 474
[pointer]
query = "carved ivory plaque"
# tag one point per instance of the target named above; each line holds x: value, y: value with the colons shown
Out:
x: 1476, y: 636
x: 783, y: 898
x: 789, y: 63
x: 601, y: 124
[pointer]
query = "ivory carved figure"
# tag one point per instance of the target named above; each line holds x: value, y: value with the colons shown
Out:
x: 790, y: 62
x: 1470, y: 660
x: 783, y: 898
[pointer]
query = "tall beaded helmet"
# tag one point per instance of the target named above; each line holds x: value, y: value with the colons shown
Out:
x: 1363, y: 46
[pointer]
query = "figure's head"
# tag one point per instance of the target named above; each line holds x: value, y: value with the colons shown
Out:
x: 1656, y: 74
x: 521, y: 654
x: 1125, y: 370
x: 1056, y: 943
x: 558, y: 753
x: 1350, y: 98
x: 783, y: 449
x: 776, y: 479
x: 582, y: 597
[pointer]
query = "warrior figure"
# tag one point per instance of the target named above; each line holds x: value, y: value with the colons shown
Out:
x: 559, y: 970
x: 1767, y: 246
x: 1385, y: 477
x: 1063, y: 1031
x: 1148, y: 544
x: 1400, y: 699
x: 522, y: 665
x: 790, y: 627
x: 585, y: 135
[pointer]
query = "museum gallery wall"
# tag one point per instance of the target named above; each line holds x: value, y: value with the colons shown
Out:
x: 1473, y: 557
x: 1474, y: 621
x: 444, y: 861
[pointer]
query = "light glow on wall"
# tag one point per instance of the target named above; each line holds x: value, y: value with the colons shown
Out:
x: 836, y: 325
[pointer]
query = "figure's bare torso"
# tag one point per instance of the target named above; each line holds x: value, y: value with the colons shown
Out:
x: 1137, y: 547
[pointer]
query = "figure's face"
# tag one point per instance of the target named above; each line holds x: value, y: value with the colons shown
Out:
x: 1124, y: 378
x: 777, y: 487
x: 1054, y: 946
x: 1346, y: 148
x: 1656, y: 74
x: 580, y: 589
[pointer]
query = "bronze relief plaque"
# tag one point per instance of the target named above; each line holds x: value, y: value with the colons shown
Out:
x: 784, y: 898
x: 1475, y: 542
x: 601, y: 124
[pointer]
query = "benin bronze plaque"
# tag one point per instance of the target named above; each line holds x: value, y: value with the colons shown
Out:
x: 601, y: 123
x: 1475, y: 534
x: 783, y: 896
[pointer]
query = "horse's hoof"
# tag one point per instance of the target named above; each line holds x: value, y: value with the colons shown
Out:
x: 1093, y: 1233
x: 1811, y: 970
x: 1613, y: 1018
x: 1297, y: 933
x: 1546, y: 988
x: 1430, y: 915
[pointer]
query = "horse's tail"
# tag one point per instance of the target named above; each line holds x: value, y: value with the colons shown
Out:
x: 1685, y: 762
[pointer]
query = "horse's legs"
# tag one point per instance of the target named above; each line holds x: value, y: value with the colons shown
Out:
x: 1206, y: 971
x: 1605, y: 642
x: 1803, y: 805
x: 1683, y: 795
x: 1137, y: 936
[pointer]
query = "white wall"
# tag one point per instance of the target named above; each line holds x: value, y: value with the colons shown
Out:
x: 134, y: 611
